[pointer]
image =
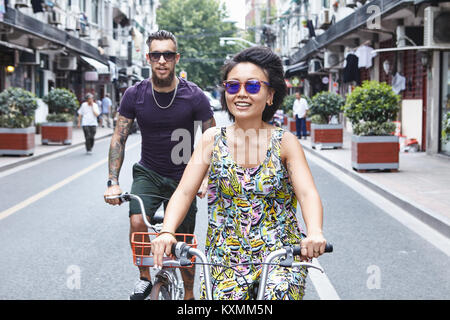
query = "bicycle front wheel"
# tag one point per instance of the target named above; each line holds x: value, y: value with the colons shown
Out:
x: 160, y: 291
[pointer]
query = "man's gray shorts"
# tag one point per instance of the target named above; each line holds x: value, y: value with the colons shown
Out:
x: 147, y: 182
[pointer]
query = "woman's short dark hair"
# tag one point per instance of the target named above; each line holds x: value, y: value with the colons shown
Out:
x: 271, y: 64
x: 161, y: 35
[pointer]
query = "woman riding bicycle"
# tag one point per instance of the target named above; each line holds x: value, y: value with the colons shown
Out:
x: 256, y: 174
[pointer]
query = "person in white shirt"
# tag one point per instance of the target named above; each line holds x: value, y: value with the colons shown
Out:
x: 87, y: 118
x: 299, y: 110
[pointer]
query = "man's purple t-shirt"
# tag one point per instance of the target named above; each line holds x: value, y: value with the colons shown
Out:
x: 157, y: 125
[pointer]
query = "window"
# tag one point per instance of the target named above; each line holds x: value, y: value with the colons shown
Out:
x: 94, y: 11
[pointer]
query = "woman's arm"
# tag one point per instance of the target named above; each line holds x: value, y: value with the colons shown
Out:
x: 305, y: 190
x: 183, y: 196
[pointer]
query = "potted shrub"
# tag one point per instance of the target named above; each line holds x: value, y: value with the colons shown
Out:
x: 287, y: 106
x: 324, y: 106
x: 62, y: 105
x: 17, y: 133
x: 371, y: 109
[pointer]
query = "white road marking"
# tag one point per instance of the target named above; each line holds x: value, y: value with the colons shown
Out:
x: 56, y: 186
x: 324, y: 288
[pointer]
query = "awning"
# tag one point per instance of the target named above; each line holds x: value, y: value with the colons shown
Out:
x: 100, y: 67
x: 296, y: 68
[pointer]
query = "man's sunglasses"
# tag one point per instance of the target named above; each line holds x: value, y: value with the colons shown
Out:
x: 156, y: 56
x: 251, y: 86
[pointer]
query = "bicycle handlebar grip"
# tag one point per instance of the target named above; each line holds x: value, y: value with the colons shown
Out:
x: 296, y: 250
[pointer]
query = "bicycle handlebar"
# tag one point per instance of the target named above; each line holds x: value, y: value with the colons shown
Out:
x: 184, y: 253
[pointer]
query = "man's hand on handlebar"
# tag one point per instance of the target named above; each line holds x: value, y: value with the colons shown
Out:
x: 112, y: 191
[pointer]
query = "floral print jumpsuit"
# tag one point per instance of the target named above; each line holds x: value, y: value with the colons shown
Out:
x: 251, y: 212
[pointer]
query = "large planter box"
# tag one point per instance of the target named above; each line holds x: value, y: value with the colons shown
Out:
x: 292, y: 125
x: 327, y: 135
x: 375, y: 153
x: 17, y: 141
x: 57, y: 132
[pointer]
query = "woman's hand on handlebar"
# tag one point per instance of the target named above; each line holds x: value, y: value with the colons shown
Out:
x: 113, y: 191
x: 312, y: 246
x: 161, y: 245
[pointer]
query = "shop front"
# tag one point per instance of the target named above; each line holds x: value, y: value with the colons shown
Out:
x: 445, y: 105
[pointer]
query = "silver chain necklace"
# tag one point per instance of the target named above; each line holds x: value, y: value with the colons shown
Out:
x: 173, y: 98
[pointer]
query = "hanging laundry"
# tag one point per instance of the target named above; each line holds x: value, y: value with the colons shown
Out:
x: 398, y: 83
x: 37, y: 6
x: 351, y: 70
x: 365, y: 55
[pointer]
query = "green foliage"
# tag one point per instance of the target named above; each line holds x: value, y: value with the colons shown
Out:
x: 17, y: 108
x: 198, y: 26
x: 373, y: 102
x: 62, y: 105
x: 325, y: 105
x: 372, y: 128
x: 288, y: 103
x: 318, y: 119
x: 446, y: 128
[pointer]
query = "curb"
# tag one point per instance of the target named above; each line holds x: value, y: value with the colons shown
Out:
x: 34, y: 158
x: 433, y: 220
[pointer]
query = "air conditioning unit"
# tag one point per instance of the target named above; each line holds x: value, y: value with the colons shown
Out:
x: 304, y: 35
x: 333, y: 60
x: 71, y: 22
x: 23, y: 4
x: 324, y: 19
x: 103, y: 42
x: 54, y: 17
x: 66, y: 63
x: 314, y: 66
x: 436, y: 27
x: 29, y: 58
x: 350, y: 3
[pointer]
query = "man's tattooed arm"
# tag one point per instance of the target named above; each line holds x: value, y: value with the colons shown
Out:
x: 211, y: 122
x: 117, y: 147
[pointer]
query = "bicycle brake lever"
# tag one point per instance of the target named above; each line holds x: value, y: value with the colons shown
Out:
x: 289, y: 259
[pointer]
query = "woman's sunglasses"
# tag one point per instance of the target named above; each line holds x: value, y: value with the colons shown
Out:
x: 156, y: 56
x: 251, y: 86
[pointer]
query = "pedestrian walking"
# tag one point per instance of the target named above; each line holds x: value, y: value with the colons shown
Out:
x: 163, y: 106
x: 256, y: 174
x: 87, y: 119
x: 299, y: 110
x: 106, y: 110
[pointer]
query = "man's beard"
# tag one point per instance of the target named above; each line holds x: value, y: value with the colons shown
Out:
x: 165, y: 82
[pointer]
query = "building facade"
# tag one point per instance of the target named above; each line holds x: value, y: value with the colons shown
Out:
x: 405, y: 43
x: 95, y: 46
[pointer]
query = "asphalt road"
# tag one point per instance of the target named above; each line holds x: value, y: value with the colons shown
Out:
x: 59, y: 240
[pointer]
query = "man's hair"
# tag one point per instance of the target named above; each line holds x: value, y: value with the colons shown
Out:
x: 271, y: 64
x: 161, y: 35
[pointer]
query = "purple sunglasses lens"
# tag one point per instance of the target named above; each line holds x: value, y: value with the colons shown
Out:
x: 252, y: 87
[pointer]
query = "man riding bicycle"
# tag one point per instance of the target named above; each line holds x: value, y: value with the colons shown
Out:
x: 161, y: 105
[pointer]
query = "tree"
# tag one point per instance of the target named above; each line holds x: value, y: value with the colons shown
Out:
x: 198, y: 26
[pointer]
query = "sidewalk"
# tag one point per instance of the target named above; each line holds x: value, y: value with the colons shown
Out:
x: 421, y: 186
x: 40, y: 151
